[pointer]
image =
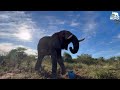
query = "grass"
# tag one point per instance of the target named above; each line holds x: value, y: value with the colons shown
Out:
x: 82, y: 71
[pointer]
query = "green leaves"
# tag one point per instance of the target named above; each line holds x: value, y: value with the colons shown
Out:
x: 67, y: 57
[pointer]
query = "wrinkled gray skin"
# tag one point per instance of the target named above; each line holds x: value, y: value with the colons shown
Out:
x: 52, y: 45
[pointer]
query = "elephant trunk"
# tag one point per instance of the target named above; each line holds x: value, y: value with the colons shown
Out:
x: 75, y: 42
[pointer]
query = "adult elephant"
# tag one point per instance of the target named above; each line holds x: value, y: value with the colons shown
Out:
x: 52, y: 45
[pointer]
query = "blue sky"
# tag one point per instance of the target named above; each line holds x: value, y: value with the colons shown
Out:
x: 25, y: 28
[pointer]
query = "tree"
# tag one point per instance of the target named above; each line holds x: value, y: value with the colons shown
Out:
x: 118, y: 58
x: 101, y: 60
x: 112, y: 58
x: 2, y: 58
x: 15, y: 56
x: 20, y: 55
x: 67, y: 57
x: 86, y: 58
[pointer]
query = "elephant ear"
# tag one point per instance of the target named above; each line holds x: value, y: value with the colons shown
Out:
x: 65, y: 35
x: 61, y: 34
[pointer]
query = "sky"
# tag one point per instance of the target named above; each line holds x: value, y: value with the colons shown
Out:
x: 25, y: 28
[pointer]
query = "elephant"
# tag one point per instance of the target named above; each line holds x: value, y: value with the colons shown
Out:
x: 52, y: 45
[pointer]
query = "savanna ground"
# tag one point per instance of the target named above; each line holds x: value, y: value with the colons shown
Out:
x: 18, y: 65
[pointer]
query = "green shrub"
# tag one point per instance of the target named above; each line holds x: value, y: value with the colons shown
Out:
x: 86, y: 59
x: 67, y: 57
x: 106, y: 74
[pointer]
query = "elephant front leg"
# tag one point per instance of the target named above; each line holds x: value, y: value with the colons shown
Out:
x: 61, y: 62
x: 54, y: 65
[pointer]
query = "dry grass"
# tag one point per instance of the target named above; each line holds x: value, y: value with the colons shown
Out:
x: 82, y: 71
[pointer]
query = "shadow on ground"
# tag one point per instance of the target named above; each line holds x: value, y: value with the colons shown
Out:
x: 47, y: 75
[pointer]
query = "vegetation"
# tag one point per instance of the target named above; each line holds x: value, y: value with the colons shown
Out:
x: 18, y: 65
x: 67, y: 57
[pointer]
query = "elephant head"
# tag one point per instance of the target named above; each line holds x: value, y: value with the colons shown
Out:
x: 68, y: 37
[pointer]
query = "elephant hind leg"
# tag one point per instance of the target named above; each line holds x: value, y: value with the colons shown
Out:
x: 39, y: 62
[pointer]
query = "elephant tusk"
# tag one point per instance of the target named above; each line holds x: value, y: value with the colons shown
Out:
x: 81, y: 39
x: 69, y: 36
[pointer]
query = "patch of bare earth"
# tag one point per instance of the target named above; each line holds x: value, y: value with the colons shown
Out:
x: 7, y: 75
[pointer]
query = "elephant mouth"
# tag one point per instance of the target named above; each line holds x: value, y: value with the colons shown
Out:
x: 66, y: 48
x: 66, y: 44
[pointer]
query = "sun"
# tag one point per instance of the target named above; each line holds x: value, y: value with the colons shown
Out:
x: 24, y: 35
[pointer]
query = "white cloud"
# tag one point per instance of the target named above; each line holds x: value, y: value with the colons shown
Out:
x: 5, y: 35
x: 3, y: 16
x: 90, y: 25
x: 48, y: 25
x: 53, y: 20
x: 106, y: 53
x: 114, y: 39
x: 30, y: 51
x: 85, y: 22
x: 90, y: 28
x: 58, y: 21
x: 73, y: 24
x: 13, y: 23
x: 118, y: 36
x: 111, y: 42
x: 6, y: 47
x: 117, y: 54
x: 74, y: 20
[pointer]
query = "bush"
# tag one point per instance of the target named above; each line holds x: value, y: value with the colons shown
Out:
x: 67, y: 57
x: 86, y: 59
x: 106, y: 74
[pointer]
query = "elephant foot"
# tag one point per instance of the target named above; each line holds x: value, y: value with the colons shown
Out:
x: 63, y: 72
x: 54, y: 76
x: 37, y: 69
